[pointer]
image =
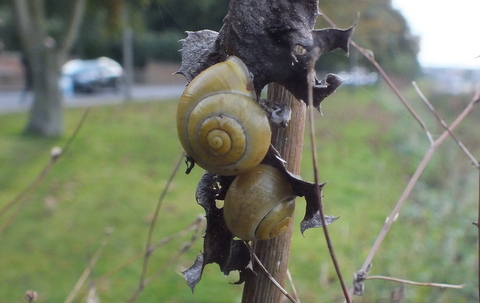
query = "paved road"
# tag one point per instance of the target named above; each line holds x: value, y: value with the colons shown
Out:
x: 10, y: 101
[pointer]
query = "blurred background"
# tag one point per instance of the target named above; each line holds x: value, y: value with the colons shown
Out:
x: 143, y: 37
x: 118, y: 57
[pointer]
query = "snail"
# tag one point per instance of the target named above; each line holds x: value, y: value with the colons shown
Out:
x: 259, y: 204
x: 220, y: 125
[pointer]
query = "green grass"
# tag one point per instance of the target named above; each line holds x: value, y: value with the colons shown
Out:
x: 118, y: 165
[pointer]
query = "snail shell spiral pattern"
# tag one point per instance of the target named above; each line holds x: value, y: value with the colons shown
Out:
x: 259, y: 204
x: 219, y: 123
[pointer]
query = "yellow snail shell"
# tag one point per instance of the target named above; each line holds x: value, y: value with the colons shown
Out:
x: 219, y: 123
x: 259, y: 204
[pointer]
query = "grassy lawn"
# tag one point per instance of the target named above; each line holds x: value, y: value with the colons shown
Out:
x: 115, y: 170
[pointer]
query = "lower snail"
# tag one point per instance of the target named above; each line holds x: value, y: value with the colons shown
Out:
x: 259, y: 204
x: 220, y: 125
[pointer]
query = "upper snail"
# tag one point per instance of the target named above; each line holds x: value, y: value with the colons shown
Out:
x: 219, y: 123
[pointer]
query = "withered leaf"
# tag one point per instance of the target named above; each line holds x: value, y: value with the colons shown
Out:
x: 301, y: 188
x: 330, y: 39
x: 275, y: 39
x: 196, y: 48
x: 315, y: 221
x: 219, y: 246
x: 194, y: 273
x: 245, y: 275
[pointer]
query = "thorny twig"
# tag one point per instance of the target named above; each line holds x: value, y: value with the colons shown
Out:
x: 311, y: 75
x: 89, y: 268
x: 441, y: 285
x: 279, y: 287
x: 55, y: 154
x: 148, y: 244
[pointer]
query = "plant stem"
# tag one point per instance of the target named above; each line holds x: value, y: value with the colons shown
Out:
x: 274, y: 253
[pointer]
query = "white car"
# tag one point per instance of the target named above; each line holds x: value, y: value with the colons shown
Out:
x: 90, y: 76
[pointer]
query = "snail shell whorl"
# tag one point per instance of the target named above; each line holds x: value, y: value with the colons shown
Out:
x: 219, y: 123
x: 259, y: 204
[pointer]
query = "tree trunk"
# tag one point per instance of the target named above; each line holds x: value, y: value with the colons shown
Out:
x: 46, y: 112
x: 45, y: 56
x: 275, y: 253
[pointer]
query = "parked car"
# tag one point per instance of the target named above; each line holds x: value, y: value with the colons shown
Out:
x: 90, y: 76
x: 358, y: 77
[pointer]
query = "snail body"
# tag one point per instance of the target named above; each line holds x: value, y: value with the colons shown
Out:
x: 259, y: 204
x: 219, y: 123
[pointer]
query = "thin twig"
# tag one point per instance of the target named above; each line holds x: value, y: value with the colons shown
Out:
x: 475, y: 100
x: 290, y: 280
x: 89, y: 268
x: 185, y: 247
x: 55, y: 155
x: 413, y: 180
x: 311, y: 77
x: 148, y: 244
x: 434, y: 144
x: 53, y: 159
x: 441, y: 285
x: 195, y: 225
x: 390, y: 83
x: 269, y: 275
x: 478, y: 235
x: 445, y: 125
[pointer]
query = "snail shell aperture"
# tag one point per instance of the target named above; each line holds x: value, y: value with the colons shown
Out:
x: 219, y: 123
x: 259, y: 204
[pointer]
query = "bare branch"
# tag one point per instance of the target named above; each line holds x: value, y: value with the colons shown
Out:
x: 55, y: 155
x: 37, y: 13
x: 71, y: 31
x: 413, y: 180
x: 196, y: 225
x: 390, y: 83
x: 461, y: 117
x: 428, y: 155
x: 478, y: 235
x: 311, y: 77
x: 148, y: 244
x: 89, y: 268
x: 24, y: 24
x: 444, y: 124
x: 294, y: 289
x: 441, y: 285
x: 284, y: 292
x: 185, y: 247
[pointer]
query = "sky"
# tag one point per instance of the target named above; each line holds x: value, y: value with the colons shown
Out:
x: 449, y: 31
